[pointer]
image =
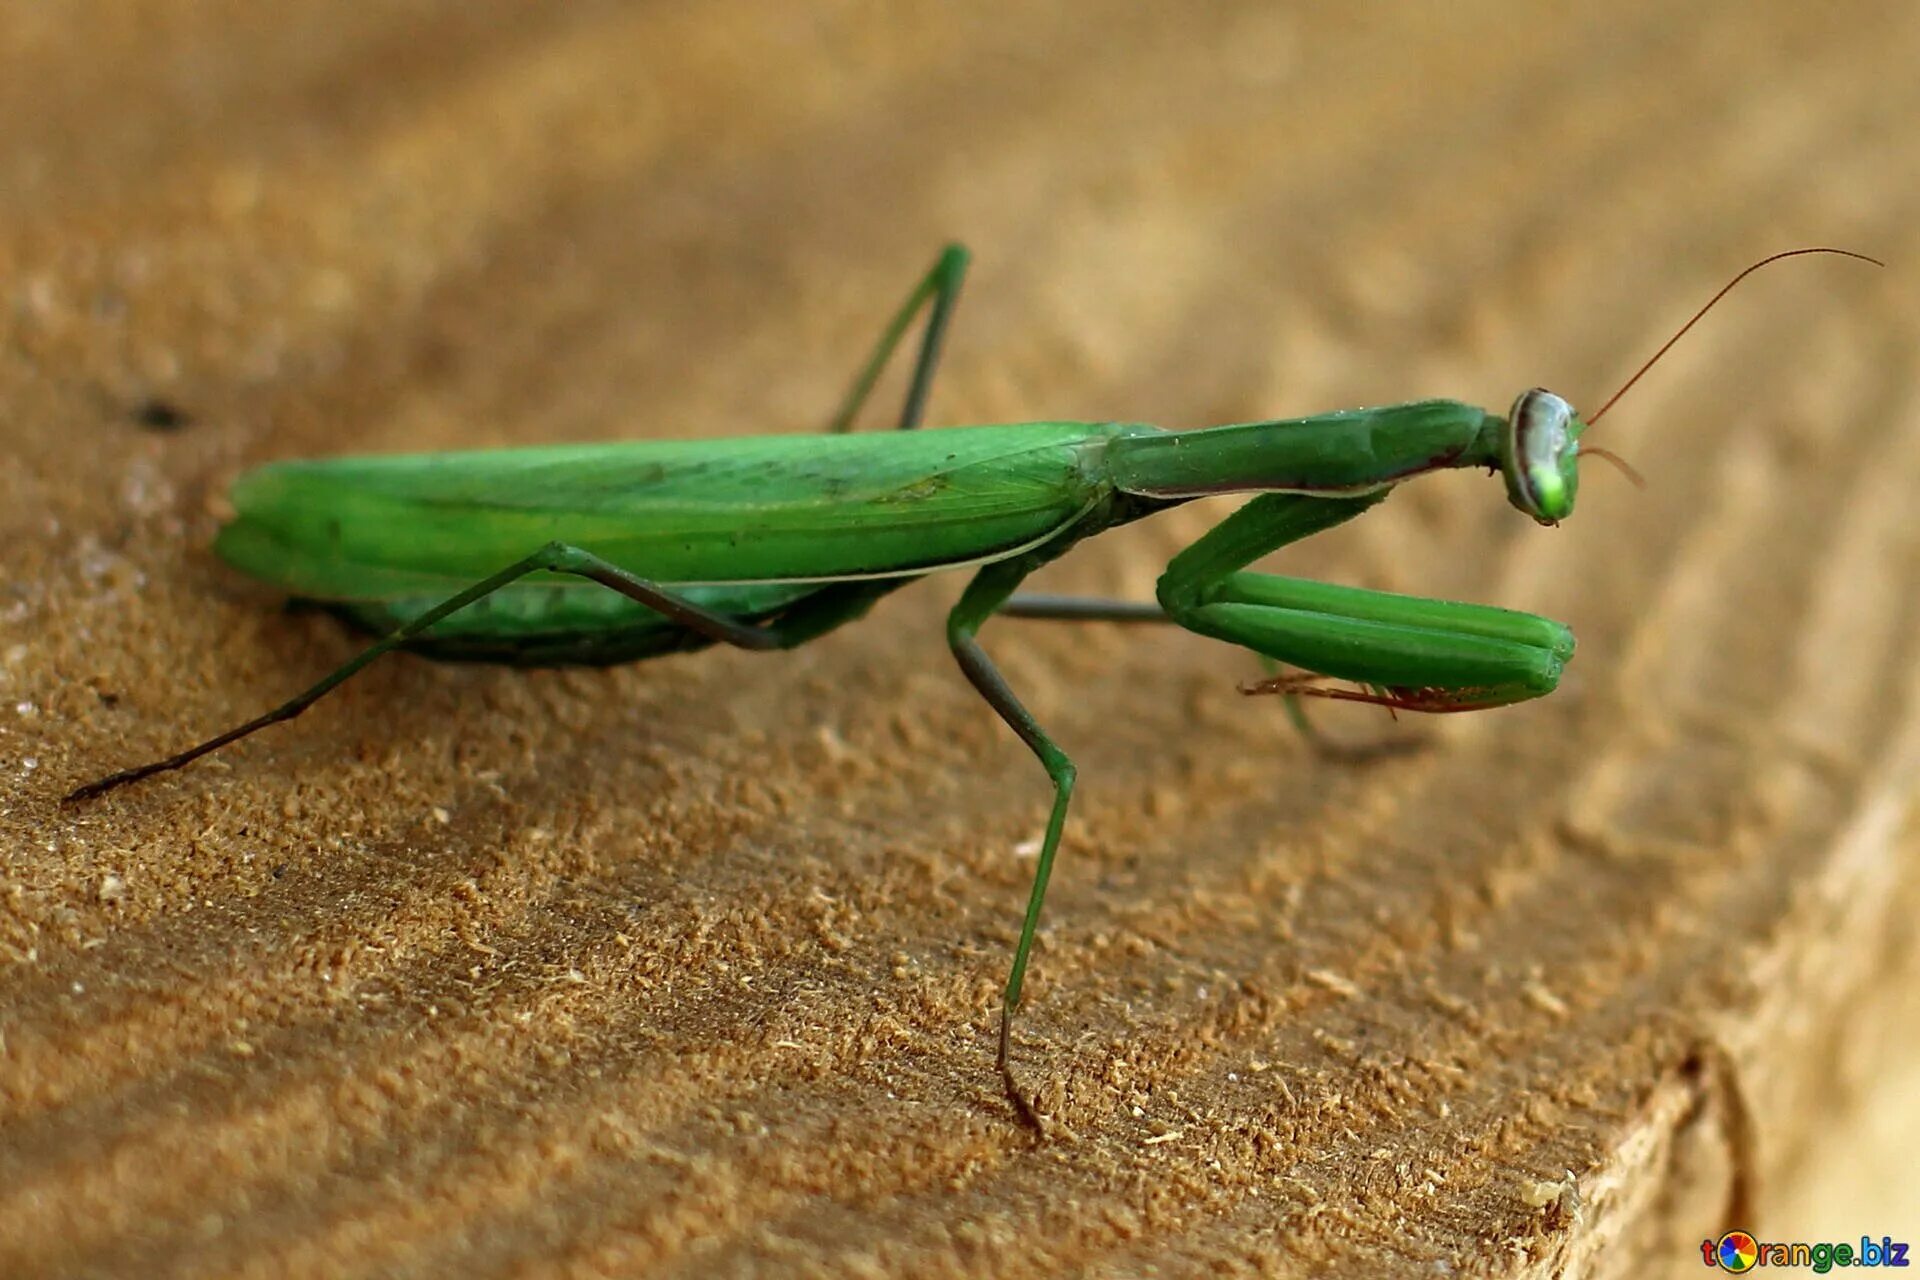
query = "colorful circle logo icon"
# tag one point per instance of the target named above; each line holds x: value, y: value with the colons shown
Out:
x: 1737, y: 1251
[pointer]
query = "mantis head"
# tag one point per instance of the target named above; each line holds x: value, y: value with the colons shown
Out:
x: 1540, y: 455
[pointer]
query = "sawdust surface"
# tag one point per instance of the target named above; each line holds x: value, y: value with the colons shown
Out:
x: 691, y: 967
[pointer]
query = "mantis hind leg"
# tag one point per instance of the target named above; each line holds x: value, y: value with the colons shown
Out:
x: 941, y: 287
x: 832, y: 605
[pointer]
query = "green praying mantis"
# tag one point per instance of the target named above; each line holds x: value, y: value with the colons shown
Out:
x: 607, y: 553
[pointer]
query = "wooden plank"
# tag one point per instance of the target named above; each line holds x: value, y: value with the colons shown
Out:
x: 691, y: 967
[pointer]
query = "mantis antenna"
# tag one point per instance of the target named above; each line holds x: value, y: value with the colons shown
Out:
x: 1724, y: 291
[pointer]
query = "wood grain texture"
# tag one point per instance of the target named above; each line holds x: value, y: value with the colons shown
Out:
x: 691, y: 968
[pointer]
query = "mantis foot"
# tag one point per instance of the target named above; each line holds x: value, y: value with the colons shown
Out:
x: 1022, y: 1106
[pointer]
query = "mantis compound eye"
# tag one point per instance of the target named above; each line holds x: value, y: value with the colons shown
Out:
x: 1540, y: 455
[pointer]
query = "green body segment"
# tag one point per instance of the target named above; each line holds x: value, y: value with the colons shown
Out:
x: 793, y: 508
x: 1350, y: 451
x: 748, y: 527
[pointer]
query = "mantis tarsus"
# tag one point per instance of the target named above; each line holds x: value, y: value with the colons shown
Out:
x: 605, y: 553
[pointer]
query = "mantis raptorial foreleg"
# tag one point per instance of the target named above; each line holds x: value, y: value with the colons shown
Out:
x: 1058, y: 608
x: 1405, y: 651
x: 1098, y: 609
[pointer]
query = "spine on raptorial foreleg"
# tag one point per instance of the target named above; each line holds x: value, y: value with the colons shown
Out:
x: 1347, y: 453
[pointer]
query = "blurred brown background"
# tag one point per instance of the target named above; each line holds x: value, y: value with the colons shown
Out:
x: 690, y: 968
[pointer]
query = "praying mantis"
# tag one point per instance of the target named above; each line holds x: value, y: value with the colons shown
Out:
x: 607, y: 553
